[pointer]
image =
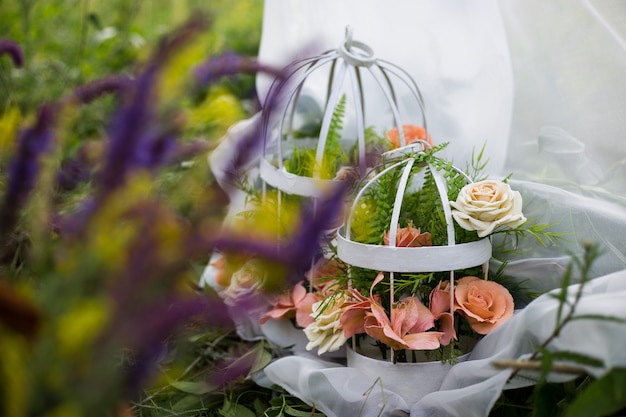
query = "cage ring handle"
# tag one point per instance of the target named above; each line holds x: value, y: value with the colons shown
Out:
x: 355, y: 52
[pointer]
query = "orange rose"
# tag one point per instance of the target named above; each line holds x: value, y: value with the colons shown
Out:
x: 409, y: 237
x: 411, y: 134
x: 485, y: 304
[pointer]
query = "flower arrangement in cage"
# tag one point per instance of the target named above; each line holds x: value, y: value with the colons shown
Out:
x: 417, y: 225
x: 407, y: 279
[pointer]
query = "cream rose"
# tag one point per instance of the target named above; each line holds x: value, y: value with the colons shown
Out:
x: 485, y: 304
x: 246, y: 280
x: 326, y: 332
x: 485, y: 205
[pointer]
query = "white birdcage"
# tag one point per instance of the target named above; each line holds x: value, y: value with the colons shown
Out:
x: 410, y: 165
x: 356, y: 83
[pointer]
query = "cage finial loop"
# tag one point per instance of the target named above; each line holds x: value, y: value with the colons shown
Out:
x: 354, y: 52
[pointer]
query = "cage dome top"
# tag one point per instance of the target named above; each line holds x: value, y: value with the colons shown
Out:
x: 410, y: 196
x: 330, y: 106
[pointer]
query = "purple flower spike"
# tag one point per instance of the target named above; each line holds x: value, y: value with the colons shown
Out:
x: 72, y: 173
x: 229, y: 64
x: 129, y: 127
x: 95, y: 89
x: 235, y: 367
x: 13, y: 50
x: 153, y: 326
x: 22, y: 175
x: 133, y: 133
x: 304, y: 245
x: 250, y: 146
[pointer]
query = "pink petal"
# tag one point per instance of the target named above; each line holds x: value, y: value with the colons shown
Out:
x: 446, y: 324
x: 439, y: 300
x: 298, y: 293
x: 353, y: 322
x: 423, y: 341
x: 304, y: 309
x: 424, y: 319
x: 383, y: 333
x: 303, y: 318
x: 276, y: 314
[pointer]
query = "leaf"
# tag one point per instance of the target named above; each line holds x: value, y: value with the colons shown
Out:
x: 235, y: 410
x: 262, y: 358
x: 563, y: 294
x: 290, y: 411
x: 578, y: 358
x: 188, y: 402
x: 545, y: 404
x: 190, y: 387
x: 602, y: 397
x: 614, y: 319
x: 546, y: 364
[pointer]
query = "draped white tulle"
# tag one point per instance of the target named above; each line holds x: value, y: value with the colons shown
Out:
x: 541, y: 83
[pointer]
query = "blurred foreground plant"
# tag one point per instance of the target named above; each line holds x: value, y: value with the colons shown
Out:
x: 99, y: 250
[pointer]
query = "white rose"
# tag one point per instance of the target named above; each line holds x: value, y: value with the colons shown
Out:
x: 326, y: 332
x: 245, y: 281
x: 485, y: 205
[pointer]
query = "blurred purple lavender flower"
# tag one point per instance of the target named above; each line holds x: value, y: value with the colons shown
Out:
x: 237, y: 365
x: 129, y: 126
x: 24, y: 167
x: 150, y: 328
x: 149, y: 305
x: 229, y: 64
x: 250, y: 145
x: 295, y: 253
x: 156, y: 148
x: 72, y: 173
x: 91, y: 91
x: 13, y: 50
x: 136, y: 137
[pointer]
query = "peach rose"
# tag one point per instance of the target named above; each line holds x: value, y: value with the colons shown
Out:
x: 412, y: 133
x: 409, y: 237
x: 485, y: 205
x: 484, y: 304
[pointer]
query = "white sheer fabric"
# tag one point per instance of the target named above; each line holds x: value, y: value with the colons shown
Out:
x: 542, y: 84
x: 472, y: 387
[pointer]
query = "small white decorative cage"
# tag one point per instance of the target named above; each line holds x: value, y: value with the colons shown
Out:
x: 304, y: 162
x: 410, y: 173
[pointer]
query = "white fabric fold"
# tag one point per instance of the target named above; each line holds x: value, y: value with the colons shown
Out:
x: 336, y: 390
x: 472, y: 387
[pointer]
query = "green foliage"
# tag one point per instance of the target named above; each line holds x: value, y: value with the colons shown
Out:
x: 602, y: 397
x: 68, y: 43
x: 303, y: 161
x: 475, y: 169
x: 372, y: 216
x: 584, y: 396
x: 192, y: 393
x: 422, y: 204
